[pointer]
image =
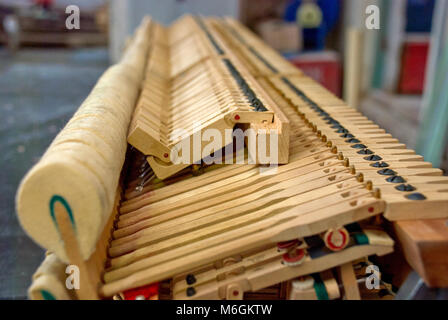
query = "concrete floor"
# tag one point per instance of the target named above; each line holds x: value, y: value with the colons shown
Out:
x: 40, y: 89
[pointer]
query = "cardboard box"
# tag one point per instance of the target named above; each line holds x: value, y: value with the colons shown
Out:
x: 280, y: 35
x: 323, y: 66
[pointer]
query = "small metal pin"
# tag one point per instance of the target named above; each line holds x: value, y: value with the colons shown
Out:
x: 334, y: 150
x: 324, y: 138
x: 145, y: 181
x: 346, y: 162
x: 145, y: 172
x: 352, y: 169
x: 329, y: 144
x: 143, y: 166
x: 319, y: 133
x: 369, y: 185
x: 340, y: 156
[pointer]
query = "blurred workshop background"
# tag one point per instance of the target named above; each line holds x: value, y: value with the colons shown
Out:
x: 397, y: 75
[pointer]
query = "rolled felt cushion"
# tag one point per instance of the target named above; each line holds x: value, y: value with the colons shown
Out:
x: 48, y: 287
x: 49, y: 281
x: 81, y: 168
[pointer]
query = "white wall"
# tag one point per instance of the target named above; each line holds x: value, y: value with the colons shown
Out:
x: 125, y: 15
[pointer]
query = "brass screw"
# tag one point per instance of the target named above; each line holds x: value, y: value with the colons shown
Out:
x: 360, y: 177
x: 314, y: 128
x: 346, y: 162
x: 352, y: 169
x: 369, y: 185
x: 329, y: 144
x: 334, y: 150
x: 319, y: 133
x: 324, y: 138
x: 377, y: 193
x: 340, y: 156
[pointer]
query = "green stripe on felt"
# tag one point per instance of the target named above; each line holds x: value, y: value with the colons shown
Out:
x: 58, y: 198
x: 319, y: 288
x: 361, y: 238
x: 47, y: 295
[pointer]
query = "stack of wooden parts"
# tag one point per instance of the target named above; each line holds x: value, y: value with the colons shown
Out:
x: 223, y: 227
x: 193, y: 84
x: 226, y: 231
